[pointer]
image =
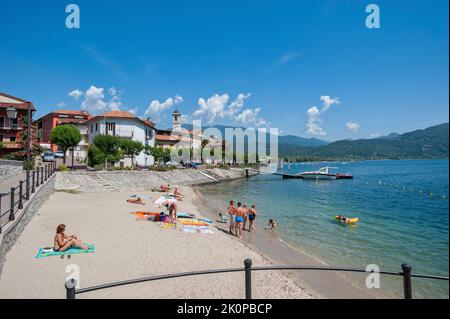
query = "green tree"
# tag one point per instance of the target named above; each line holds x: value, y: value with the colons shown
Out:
x: 131, y: 148
x: 95, y: 156
x: 158, y: 153
x: 109, y: 146
x: 65, y: 136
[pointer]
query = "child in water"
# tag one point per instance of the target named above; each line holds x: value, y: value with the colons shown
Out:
x: 272, y: 224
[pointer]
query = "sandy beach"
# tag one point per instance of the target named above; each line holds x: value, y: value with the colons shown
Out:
x: 126, y: 248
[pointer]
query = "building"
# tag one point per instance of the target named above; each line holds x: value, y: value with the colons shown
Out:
x: 178, y: 136
x: 49, y: 121
x: 13, y: 120
x: 125, y: 126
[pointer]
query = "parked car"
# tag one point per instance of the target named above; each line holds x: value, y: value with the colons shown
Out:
x: 48, y: 157
x: 59, y: 154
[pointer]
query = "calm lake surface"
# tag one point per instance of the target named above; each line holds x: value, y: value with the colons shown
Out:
x: 402, y: 206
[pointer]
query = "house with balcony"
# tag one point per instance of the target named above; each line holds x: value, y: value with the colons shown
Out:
x: 49, y: 121
x: 125, y: 126
x: 13, y: 120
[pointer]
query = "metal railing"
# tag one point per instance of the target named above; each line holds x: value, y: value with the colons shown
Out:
x: 406, y: 273
x: 16, y: 198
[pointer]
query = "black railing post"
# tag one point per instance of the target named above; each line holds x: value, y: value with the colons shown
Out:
x: 49, y: 171
x: 11, y: 212
x: 37, y: 177
x: 42, y: 175
x: 27, y: 187
x: 1, y: 212
x: 70, y: 288
x: 33, y: 182
x: 248, y: 278
x: 20, y: 194
x: 406, y: 272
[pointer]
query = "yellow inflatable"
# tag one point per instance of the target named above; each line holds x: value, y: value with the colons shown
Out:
x: 348, y: 220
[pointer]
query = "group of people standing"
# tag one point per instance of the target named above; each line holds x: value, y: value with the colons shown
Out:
x: 239, y: 216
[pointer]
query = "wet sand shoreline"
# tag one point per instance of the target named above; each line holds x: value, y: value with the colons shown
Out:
x: 324, y: 284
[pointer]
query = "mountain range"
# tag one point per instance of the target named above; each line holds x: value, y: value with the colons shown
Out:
x: 429, y: 143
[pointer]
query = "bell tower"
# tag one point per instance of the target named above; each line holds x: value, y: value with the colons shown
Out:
x: 176, y: 121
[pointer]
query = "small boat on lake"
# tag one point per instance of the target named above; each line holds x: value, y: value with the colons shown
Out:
x: 322, y: 173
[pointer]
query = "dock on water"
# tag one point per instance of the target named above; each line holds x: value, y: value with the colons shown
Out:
x: 288, y: 175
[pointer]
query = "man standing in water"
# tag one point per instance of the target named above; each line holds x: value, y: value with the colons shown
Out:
x: 239, y: 214
x: 231, y: 210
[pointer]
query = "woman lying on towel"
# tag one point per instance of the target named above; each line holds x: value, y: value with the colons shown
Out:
x: 64, y: 242
x: 136, y: 201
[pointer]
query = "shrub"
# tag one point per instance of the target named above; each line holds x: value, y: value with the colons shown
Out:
x: 63, y: 168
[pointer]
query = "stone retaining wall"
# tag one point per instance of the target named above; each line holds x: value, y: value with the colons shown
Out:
x: 9, y: 169
x: 11, y: 231
x: 104, y: 181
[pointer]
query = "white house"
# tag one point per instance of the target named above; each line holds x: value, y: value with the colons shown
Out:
x: 126, y: 126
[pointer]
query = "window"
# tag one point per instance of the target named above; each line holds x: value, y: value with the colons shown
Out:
x: 12, y: 139
x: 2, y: 121
x: 13, y: 123
x: 110, y: 128
x: 96, y: 127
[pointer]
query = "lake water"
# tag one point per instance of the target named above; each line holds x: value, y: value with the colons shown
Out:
x: 402, y: 206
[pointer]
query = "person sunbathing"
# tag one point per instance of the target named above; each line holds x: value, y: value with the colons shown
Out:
x: 62, y: 242
x: 177, y: 193
x: 164, y: 187
x: 136, y: 201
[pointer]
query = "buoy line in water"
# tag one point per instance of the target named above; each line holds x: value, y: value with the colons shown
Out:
x: 406, y: 188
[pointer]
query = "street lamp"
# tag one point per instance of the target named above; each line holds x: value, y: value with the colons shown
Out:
x: 11, y: 112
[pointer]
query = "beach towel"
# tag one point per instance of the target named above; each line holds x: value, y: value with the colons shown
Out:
x: 48, y: 251
x: 197, y: 231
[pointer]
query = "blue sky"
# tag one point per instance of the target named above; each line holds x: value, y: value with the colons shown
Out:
x: 262, y: 62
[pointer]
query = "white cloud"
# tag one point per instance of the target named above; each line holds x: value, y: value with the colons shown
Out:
x: 250, y: 116
x: 353, y: 126
x: 219, y: 107
x: 134, y: 111
x: 112, y: 91
x: 94, y: 99
x: 374, y: 135
x: 213, y: 108
x: 314, y: 124
x: 237, y: 104
x: 61, y: 104
x: 327, y: 102
x: 156, y: 107
x: 76, y: 94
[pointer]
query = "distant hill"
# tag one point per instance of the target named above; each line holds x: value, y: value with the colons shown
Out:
x: 300, y: 141
x: 429, y: 143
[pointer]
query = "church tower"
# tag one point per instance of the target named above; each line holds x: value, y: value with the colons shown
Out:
x: 176, y: 121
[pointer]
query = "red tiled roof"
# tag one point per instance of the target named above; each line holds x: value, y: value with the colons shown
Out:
x: 23, y: 105
x: 71, y: 112
x: 117, y: 114
x: 160, y: 137
x: 123, y: 114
